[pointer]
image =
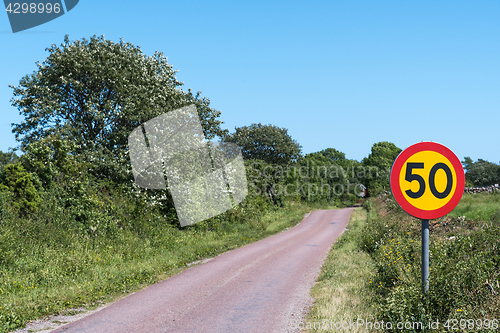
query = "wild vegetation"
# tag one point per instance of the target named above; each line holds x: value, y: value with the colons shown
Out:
x: 464, y: 282
x: 76, y: 230
x: 50, y: 262
x: 481, y: 172
x: 464, y: 263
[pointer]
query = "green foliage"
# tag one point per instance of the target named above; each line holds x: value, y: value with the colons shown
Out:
x: 382, y: 155
x: 464, y: 261
x: 50, y: 263
x: 268, y: 143
x: 336, y: 178
x: 79, y: 107
x: 19, y: 183
x: 63, y: 175
x: 264, y: 180
x: 94, y: 92
x: 481, y: 172
x: 315, y: 178
x: 7, y: 158
x: 53, y: 161
x: 331, y: 155
x: 381, y: 158
x: 96, y: 233
x: 479, y: 207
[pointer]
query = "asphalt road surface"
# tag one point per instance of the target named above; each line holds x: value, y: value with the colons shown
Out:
x: 261, y: 287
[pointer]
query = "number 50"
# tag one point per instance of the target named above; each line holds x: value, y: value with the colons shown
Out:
x: 410, y: 176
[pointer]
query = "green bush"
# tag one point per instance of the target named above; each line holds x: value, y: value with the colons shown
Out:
x: 19, y: 183
x: 481, y: 172
x: 464, y: 260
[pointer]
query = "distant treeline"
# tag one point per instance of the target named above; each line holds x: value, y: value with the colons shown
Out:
x: 481, y: 172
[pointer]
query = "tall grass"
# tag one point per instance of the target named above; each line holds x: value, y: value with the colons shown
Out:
x: 464, y: 265
x: 49, y: 264
x: 479, y: 207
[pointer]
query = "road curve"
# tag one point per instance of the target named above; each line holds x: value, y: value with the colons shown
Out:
x: 256, y: 288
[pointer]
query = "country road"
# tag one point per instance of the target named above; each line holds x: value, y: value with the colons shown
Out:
x: 260, y: 287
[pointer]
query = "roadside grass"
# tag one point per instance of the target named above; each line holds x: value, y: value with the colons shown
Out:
x: 341, y: 293
x: 373, y: 270
x: 464, y: 265
x: 478, y: 207
x: 47, y: 269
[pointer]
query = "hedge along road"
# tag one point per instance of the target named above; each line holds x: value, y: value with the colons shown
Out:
x: 260, y: 287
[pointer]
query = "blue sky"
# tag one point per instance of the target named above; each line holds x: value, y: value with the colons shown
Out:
x: 341, y: 74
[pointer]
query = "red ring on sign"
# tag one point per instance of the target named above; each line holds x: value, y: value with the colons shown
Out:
x: 396, y: 188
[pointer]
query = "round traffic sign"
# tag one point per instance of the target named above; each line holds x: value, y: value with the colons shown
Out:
x: 427, y: 180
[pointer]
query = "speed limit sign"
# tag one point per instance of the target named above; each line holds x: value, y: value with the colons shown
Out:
x: 427, y: 180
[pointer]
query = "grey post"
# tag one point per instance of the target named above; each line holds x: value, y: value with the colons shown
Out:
x: 425, y: 256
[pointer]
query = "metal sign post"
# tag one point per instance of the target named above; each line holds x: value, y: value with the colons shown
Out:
x: 425, y: 256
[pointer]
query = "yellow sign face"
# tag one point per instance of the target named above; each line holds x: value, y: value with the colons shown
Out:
x: 428, y: 180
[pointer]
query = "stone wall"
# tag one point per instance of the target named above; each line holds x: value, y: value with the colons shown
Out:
x: 490, y: 189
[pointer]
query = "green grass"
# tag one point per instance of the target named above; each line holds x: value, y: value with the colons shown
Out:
x: 464, y: 263
x: 47, y: 266
x: 341, y: 293
x: 479, y: 207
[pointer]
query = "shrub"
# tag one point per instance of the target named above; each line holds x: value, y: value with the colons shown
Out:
x: 19, y: 183
x: 464, y: 276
